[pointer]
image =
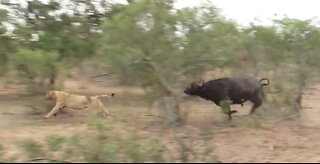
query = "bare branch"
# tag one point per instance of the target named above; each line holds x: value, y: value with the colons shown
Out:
x: 100, y: 75
x: 49, y: 160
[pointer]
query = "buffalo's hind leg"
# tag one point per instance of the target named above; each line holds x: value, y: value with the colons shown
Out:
x: 257, y: 102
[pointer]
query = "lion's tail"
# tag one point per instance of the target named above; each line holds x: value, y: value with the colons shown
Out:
x: 109, y: 96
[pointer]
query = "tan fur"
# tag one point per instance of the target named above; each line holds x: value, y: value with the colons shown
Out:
x: 73, y: 101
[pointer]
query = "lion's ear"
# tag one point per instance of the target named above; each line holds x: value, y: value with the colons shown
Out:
x: 54, y: 94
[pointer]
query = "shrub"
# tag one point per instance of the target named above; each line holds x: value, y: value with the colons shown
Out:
x: 32, y: 148
x: 103, y: 145
x: 35, y: 68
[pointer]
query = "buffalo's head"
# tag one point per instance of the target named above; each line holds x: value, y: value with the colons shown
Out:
x: 194, y: 88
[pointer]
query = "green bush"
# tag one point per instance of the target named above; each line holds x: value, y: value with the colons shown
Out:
x: 35, y: 68
x: 102, y: 145
x: 55, y: 142
x: 1, y: 151
x: 32, y: 148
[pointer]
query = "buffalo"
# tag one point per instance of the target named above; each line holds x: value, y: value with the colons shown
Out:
x: 237, y: 90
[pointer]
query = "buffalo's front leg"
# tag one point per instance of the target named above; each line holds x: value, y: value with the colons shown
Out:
x: 225, y: 105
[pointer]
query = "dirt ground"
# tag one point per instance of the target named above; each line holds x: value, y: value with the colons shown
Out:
x: 282, y: 141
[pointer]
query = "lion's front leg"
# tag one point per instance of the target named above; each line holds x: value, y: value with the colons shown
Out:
x: 55, y: 109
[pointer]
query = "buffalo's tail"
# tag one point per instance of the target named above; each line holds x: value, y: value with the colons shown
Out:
x: 264, y: 79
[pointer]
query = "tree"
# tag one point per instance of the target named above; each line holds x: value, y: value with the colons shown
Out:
x: 34, y: 67
x: 152, y: 45
x: 302, y: 40
x: 6, y: 42
x: 288, y: 49
x: 65, y: 29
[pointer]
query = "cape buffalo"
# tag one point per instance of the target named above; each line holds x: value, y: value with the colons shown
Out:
x: 238, y: 90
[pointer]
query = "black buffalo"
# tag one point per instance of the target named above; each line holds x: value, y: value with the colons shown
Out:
x: 238, y: 90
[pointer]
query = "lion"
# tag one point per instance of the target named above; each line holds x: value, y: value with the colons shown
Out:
x: 77, y: 102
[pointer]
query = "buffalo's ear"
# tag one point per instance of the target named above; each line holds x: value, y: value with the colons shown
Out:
x: 201, y: 83
x: 193, y: 85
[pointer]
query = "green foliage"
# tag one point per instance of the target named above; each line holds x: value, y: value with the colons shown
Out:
x: 3, y: 15
x: 1, y: 150
x: 32, y: 148
x: 6, y: 43
x: 99, y: 146
x: 34, y: 66
x: 126, y: 44
x: 55, y: 142
x: 71, y: 37
x: 138, y: 152
x: 36, y: 62
x: 285, y: 52
x: 71, y: 143
x: 104, y: 148
x: 142, y: 43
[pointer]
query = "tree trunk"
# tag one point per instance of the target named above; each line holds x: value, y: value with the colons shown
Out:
x: 54, y: 74
x: 3, y: 63
x: 167, y: 89
x: 52, y: 81
x: 298, y: 100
